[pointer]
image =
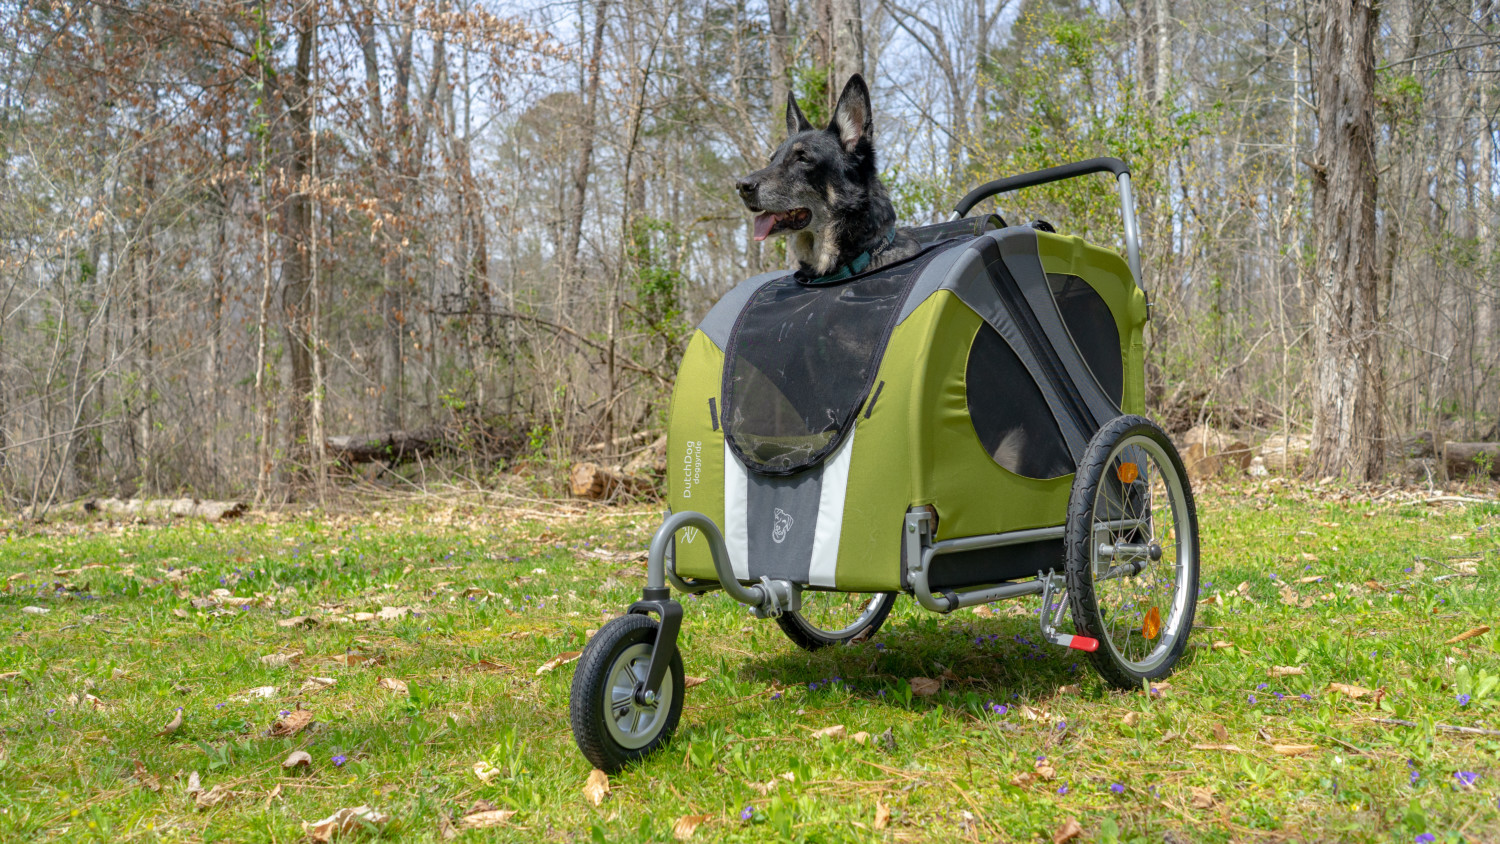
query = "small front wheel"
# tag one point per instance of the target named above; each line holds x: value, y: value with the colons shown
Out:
x: 1132, y: 552
x: 835, y: 618
x: 612, y: 727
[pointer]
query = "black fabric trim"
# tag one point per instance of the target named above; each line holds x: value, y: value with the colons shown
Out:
x: 1041, y: 347
x: 713, y: 416
x: 875, y: 398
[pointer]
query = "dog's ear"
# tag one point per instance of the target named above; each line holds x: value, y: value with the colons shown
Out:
x: 796, y: 121
x: 851, y: 118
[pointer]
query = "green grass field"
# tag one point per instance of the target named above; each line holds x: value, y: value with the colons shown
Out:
x: 134, y: 633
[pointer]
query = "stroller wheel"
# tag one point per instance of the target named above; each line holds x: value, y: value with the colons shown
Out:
x: 835, y: 618
x: 612, y: 727
x: 1132, y: 552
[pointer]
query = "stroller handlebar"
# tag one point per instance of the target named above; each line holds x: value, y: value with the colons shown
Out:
x: 1121, y: 171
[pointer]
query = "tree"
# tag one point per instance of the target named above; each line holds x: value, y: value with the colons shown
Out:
x: 1348, y: 400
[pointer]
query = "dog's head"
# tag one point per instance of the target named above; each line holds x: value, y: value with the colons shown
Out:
x: 815, y: 171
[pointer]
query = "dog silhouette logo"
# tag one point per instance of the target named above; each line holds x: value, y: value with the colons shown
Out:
x: 782, y: 526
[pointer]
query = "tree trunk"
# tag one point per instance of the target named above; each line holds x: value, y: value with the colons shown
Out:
x: 296, y: 228
x: 848, y: 44
x: 1348, y: 429
x: 580, y: 185
x: 780, y: 48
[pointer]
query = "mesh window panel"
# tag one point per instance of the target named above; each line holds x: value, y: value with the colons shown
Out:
x: 801, y: 361
x: 1009, y: 413
x: 1092, y: 326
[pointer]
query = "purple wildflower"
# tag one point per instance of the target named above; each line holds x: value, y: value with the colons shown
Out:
x: 1262, y: 686
x: 1426, y: 838
x: 1117, y: 788
x: 747, y: 813
x: 1463, y: 700
x: 1305, y: 696
x: 339, y: 760
x: 1415, y: 775
x: 1279, y: 695
x: 1062, y: 789
x: 776, y: 696
x: 1252, y: 698
x: 1466, y: 778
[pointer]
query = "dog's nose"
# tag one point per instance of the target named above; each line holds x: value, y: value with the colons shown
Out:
x: 746, y: 187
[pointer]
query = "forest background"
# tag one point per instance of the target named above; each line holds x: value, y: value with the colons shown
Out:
x: 234, y: 235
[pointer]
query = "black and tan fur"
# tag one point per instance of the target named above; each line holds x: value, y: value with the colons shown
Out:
x: 822, y: 189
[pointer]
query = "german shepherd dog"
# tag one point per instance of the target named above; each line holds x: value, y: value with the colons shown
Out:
x: 822, y: 188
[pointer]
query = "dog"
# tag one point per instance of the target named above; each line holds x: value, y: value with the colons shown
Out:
x: 822, y: 190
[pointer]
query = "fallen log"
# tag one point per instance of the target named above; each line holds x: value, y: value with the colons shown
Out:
x: 392, y: 447
x: 1472, y: 459
x: 595, y: 482
x: 182, y: 508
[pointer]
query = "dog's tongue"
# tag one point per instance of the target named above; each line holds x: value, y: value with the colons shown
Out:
x: 763, y: 224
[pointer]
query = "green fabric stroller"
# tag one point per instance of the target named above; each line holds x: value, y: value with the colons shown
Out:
x: 962, y: 427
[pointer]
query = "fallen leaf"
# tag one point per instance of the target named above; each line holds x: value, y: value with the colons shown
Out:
x: 1070, y: 689
x: 392, y: 613
x: 353, y: 659
x: 1374, y: 586
x: 213, y: 797
x: 597, y: 787
x: 342, y: 821
x: 485, y: 820
x: 836, y: 731
x: 297, y: 621
x: 1130, y: 719
x: 882, y: 815
x: 925, y: 686
x: 1031, y: 713
x: 486, y: 772
x: 1201, y: 798
x: 1468, y: 634
x: 295, y: 722
x: 1221, y: 733
x: 689, y: 682
x: 278, y: 660
x: 1221, y: 645
x: 685, y: 826
x: 36, y: 610
x: 1279, y: 671
x: 180, y: 612
x: 275, y: 793
x: 297, y: 759
x: 315, y: 684
x: 258, y: 691
x: 363, y: 616
x: 1044, y: 769
x: 888, y: 741
x: 788, y: 776
x: 1067, y: 832
x: 1227, y: 748
x: 1313, y: 578
x: 1348, y: 690
x: 391, y: 684
x: 561, y: 659
x: 144, y: 777
x: 172, y: 725
x: 861, y: 737
x: 194, y: 784
x: 1293, y: 749
x: 1023, y: 779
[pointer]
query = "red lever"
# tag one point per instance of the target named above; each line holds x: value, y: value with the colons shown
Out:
x: 1084, y: 643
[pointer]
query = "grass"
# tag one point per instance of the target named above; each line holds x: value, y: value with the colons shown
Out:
x: 493, y: 595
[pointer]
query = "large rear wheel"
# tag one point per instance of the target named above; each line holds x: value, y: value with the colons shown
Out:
x: 1132, y: 552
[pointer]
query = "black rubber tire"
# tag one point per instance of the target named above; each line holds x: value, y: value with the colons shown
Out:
x: 1082, y: 598
x: 591, y: 692
x: 811, y: 638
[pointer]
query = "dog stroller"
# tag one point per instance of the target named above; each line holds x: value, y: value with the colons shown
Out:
x: 962, y: 427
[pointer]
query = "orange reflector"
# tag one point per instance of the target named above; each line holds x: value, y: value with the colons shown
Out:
x: 1151, y: 627
x: 1127, y: 472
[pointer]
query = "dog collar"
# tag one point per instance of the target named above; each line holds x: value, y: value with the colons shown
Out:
x: 860, y: 263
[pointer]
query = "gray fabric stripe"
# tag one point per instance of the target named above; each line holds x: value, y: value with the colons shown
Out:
x: 785, y: 507
x: 931, y: 280
x: 970, y: 281
x: 1019, y: 248
x: 719, y: 322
